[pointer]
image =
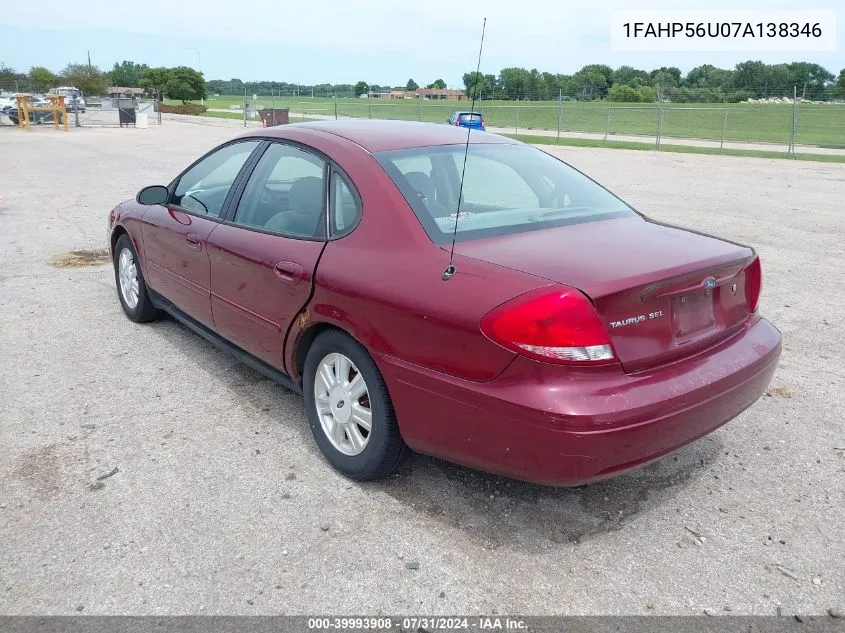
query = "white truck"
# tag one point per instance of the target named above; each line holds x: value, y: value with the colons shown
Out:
x: 70, y: 102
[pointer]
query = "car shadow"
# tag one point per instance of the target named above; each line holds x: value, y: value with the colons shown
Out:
x: 493, y: 511
x: 497, y: 512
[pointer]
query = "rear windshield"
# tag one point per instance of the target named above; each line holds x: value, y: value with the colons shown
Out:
x: 467, y: 118
x: 506, y: 189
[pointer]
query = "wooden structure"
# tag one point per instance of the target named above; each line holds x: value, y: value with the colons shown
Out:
x: 26, y: 107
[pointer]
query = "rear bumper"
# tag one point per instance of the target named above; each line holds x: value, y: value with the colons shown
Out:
x: 560, y: 426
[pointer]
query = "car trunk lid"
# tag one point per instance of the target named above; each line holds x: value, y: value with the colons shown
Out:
x: 663, y: 293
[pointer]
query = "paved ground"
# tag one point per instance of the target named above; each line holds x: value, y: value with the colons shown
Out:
x: 220, y: 495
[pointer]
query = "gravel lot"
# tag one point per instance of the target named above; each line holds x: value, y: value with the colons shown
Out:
x: 222, y: 503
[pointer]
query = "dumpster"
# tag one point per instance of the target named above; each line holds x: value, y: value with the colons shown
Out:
x: 126, y: 111
x: 274, y: 116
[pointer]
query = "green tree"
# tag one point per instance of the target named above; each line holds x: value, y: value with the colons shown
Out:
x: 154, y: 79
x: 475, y: 85
x: 411, y: 85
x: 811, y: 80
x: 630, y: 76
x: 41, y: 78
x: 185, y: 84
x: 666, y: 76
x: 7, y: 74
x: 514, y: 82
x: 437, y: 84
x: 89, y: 79
x: 709, y: 77
x: 752, y: 76
x: 592, y: 81
x: 361, y: 88
x: 126, y: 74
x: 642, y: 94
x: 839, y: 86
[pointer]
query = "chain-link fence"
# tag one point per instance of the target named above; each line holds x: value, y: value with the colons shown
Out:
x: 816, y: 127
x: 114, y: 110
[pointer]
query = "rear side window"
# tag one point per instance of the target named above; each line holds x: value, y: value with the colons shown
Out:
x: 507, y: 188
x: 345, y: 208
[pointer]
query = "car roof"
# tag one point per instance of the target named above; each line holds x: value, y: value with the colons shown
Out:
x: 376, y: 135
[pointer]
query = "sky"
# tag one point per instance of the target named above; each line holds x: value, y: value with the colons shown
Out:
x: 383, y: 42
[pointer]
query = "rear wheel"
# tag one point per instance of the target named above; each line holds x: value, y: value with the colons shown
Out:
x: 131, y: 289
x: 349, y: 410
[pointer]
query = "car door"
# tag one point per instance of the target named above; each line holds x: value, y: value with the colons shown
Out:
x: 264, y: 257
x: 175, y: 234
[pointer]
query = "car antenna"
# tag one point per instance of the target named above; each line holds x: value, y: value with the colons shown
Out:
x: 450, y: 269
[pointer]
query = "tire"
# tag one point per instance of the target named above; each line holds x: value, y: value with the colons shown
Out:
x: 384, y: 449
x: 143, y: 309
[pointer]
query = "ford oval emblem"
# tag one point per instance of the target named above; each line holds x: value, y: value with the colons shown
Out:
x: 709, y: 283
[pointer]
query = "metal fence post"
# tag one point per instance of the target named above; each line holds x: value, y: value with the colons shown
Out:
x: 559, y: 114
x: 369, y: 107
x: 419, y: 111
x: 75, y: 111
x: 245, y: 107
x: 724, y: 131
x: 791, y: 151
x: 659, y: 124
x: 335, y: 107
x: 516, y: 130
x: 606, y: 126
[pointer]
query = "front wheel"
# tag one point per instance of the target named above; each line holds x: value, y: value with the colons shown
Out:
x: 131, y: 288
x: 349, y: 409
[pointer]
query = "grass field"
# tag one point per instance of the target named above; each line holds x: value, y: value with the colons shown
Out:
x: 680, y: 149
x: 822, y: 125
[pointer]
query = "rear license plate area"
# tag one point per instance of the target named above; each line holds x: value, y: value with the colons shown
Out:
x: 692, y: 313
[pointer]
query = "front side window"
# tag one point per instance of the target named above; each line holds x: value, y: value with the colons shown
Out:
x: 204, y: 187
x: 286, y: 193
x: 507, y: 188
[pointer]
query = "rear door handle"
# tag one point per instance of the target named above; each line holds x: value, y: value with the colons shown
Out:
x: 289, y: 271
x: 193, y: 240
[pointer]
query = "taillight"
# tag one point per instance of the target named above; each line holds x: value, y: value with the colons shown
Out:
x: 753, y: 284
x: 559, y: 326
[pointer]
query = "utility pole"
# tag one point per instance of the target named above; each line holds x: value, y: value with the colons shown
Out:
x: 89, y: 60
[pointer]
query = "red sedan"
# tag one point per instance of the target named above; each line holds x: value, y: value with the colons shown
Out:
x: 566, y: 339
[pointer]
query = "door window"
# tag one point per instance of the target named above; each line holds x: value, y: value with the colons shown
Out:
x: 204, y: 187
x: 286, y: 193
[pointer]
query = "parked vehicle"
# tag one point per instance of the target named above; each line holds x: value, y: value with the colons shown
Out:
x: 467, y: 119
x: 574, y: 339
x: 38, y: 117
x: 74, y: 99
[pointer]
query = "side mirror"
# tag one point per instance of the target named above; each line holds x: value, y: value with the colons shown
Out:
x: 155, y: 194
